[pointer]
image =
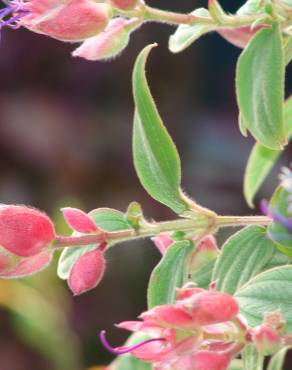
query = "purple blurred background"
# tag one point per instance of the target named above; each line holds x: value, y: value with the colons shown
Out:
x: 65, y: 139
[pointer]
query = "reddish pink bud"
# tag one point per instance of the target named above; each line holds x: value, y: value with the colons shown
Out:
x: 207, y: 360
x: 186, y: 292
x: 162, y: 242
x: 109, y: 43
x: 266, y: 339
x: 238, y: 36
x: 78, y: 220
x: 124, y: 4
x: 205, y: 252
x: 25, y: 266
x: 210, y: 307
x: 66, y: 20
x: 24, y: 231
x: 168, y: 316
x: 87, y: 272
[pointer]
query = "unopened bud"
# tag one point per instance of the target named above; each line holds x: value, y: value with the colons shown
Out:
x: 67, y: 20
x: 207, y: 360
x: 168, y: 316
x: 162, y: 242
x: 78, y: 220
x: 108, y: 44
x: 239, y: 36
x: 205, y: 252
x: 87, y: 272
x: 16, y: 267
x: 124, y: 4
x: 266, y: 339
x: 210, y: 307
x: 24, y: 231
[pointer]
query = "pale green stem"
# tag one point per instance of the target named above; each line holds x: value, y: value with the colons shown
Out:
x: 149, y: 14
x: 151, y: 229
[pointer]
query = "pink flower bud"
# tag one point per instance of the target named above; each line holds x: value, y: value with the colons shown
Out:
x: 124, y: 4
x: 24, y: 231
x: 207, y: 360
x: 162, y: 242
x: 238, y: 36
x: 109, y: 43
x: 210, y: 307
x: 205, y: 252
x: 87, y: 272
x: 168, y: 316
x: 186, y: 292
x: 78, y: 220
x: 66, y: 20
x: 17, y: 267
x: 266, y: 340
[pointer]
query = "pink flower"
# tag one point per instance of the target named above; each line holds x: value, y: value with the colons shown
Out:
x: 194, y: 333
x: 238, y: 36
x: 66, y: 20
x: 25, y: 231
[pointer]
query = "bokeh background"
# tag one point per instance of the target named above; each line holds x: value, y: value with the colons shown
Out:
x: 65, y: 139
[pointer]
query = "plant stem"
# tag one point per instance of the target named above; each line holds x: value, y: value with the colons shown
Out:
x: 149, y: 14
x: 198, y: 226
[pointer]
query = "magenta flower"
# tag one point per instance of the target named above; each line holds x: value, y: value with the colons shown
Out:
x: 198, y: 332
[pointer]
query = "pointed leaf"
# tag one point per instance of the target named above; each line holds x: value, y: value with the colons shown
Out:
x: 168, y: 274
x: 278, y: 360
x: 243, y: 255
x: 267, y: 292
x: 252, y: 360
x: 262, y: 159
x: 260, y: 87
x: 185, y: 35
x: 155, y: 156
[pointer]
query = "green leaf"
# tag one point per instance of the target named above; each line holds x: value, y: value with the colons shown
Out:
x: 243, y: 255
x: 105, y: 218
x: 267, y: 292
x: 127, y: 361
x: 203, y: 277
x: 277, y: 361
x: 288, y: 50
x: 262, y: 160
x: 185, y: 35
x: 236, y: 364
x: 252, y: 360
x: 251, y: 7
x: 278, y: 233
x: 260, y: 87
x: 156, y: 159
x: 168, y: 274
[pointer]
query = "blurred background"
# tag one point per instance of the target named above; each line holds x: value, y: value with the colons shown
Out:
x: 65, y: 139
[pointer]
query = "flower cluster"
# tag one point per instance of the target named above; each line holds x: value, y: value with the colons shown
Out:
x: 200, y: 331
x: 85, y: 21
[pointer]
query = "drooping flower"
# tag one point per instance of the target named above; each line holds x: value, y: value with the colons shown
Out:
x: 197, y: 332
x: 266, y: 339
